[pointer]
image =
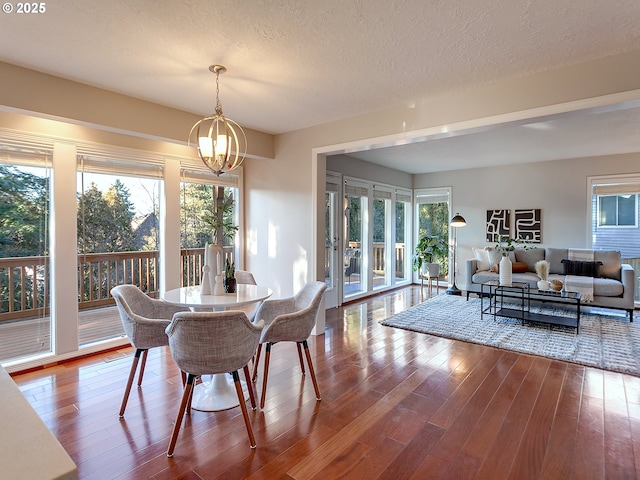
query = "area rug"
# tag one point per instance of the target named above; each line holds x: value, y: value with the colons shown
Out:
x: 606, y: 341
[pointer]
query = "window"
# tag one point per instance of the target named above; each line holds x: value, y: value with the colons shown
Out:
x: 432, y: 219
x: 199, y: 221
x: 613, y: 217
x: 617, y: 210
x: 403, y: 234
x: 118, y: 224
x: 25, y: 326
x: 356, y: 228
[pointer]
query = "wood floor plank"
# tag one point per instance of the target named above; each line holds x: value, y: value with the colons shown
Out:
x: 530, y: 456
x: 560, y: 451
x: 500, y: 458
x: 486, y: 430
x: 589, y: 447
x: 618, y: 445
x: 334, y: 447
x: 395, y: 404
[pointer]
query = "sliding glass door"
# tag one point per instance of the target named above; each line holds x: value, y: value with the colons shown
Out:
x: 356, y: 227
x: 432, y: 219
x: 332, y: 246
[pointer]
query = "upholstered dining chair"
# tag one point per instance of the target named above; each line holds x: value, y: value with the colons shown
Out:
x: 289, y: 320
x: 144, y: 320
x: 246, y: 278
x: 209, y: 343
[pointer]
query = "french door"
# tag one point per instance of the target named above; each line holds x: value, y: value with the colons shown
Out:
x: 332, y: 250
x: 432, y: 219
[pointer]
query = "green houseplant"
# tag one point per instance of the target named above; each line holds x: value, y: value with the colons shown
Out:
x: 229, y: 280
x: 428, y: 251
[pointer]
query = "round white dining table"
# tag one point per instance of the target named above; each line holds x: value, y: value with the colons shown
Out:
x: 218, y: 392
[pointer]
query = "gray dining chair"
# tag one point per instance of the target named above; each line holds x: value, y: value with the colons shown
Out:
x: 289, y: 320
x: 209, y: 343
x: 144, y: 320
x: 246, y: 278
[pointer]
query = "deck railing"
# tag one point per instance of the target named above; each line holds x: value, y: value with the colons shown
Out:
x: 24, y: 281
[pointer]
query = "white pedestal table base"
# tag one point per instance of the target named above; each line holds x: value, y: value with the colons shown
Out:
x: 216, y: 393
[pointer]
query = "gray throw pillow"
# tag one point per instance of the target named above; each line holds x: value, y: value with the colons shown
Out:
x: 530, y: 257
x: 611, y: 263
x: 555, y: 256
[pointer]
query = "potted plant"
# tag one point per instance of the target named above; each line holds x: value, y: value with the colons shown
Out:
x: 428, y: 250
x: 229, y: 277
x: 542, y: 269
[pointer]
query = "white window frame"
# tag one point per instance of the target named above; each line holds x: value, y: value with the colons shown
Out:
x: 618, y: 195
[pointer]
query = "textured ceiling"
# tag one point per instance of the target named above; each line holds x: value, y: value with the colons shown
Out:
x: 298, y: 63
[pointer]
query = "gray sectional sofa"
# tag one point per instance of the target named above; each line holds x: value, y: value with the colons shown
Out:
x: 613, y: 288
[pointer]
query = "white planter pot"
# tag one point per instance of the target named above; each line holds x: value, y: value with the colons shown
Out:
x: 505, y: 271
x: 543, y: 285
x: 431, y: 269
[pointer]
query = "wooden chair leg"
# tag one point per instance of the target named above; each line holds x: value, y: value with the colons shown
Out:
x: 254, y: 377
x: 267, y: 355
x: 300, y: 357
x: 186, y: 398
x: 142, y: 365
x: 243, y: 407
x: 247, y: 377
x: 132, y: 374
x: 311, y: 371
x: 188, y: 411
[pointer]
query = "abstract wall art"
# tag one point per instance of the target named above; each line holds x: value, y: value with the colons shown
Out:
x: 498, y: 222
x: 528, y: 225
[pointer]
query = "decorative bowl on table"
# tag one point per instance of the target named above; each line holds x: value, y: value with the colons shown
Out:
x: 556, y: 285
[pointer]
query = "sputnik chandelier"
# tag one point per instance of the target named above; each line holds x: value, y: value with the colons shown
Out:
x: 220, y: 142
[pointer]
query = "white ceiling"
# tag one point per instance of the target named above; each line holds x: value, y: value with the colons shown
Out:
x: 298, y: 63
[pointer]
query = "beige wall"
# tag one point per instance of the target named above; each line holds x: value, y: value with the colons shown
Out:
x: 284, y: 194
x: 46, y: 96
x: 357, y: 168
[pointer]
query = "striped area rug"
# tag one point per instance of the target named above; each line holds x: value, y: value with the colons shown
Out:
x: 606, y: 340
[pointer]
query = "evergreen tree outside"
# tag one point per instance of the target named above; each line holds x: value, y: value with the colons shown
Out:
x: 355, y: 219
x: 198, y: 218
x: 379, y: 211
x: 400, y: 222
x: 196, y: 203
x: 24, y: 204
x: 105, y: 220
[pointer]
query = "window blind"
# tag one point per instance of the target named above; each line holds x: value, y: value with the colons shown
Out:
x: 617, y: 189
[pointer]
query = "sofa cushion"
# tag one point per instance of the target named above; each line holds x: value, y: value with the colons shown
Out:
x: 530, y: 257
x: 580, y: 268
x: 611, y: 263
x: 607, y: 287
x: 555, y: 256
x: 528, y: 277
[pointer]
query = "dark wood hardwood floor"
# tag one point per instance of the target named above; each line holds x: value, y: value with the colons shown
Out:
x: 395, y: 405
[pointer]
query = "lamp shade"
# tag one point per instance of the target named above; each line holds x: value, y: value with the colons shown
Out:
x: 458, y: 221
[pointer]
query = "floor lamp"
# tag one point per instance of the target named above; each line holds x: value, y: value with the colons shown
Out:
x: 456, y: 222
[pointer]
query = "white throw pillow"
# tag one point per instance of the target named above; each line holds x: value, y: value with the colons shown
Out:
x: 494, y: 257
x: 482, y: 259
